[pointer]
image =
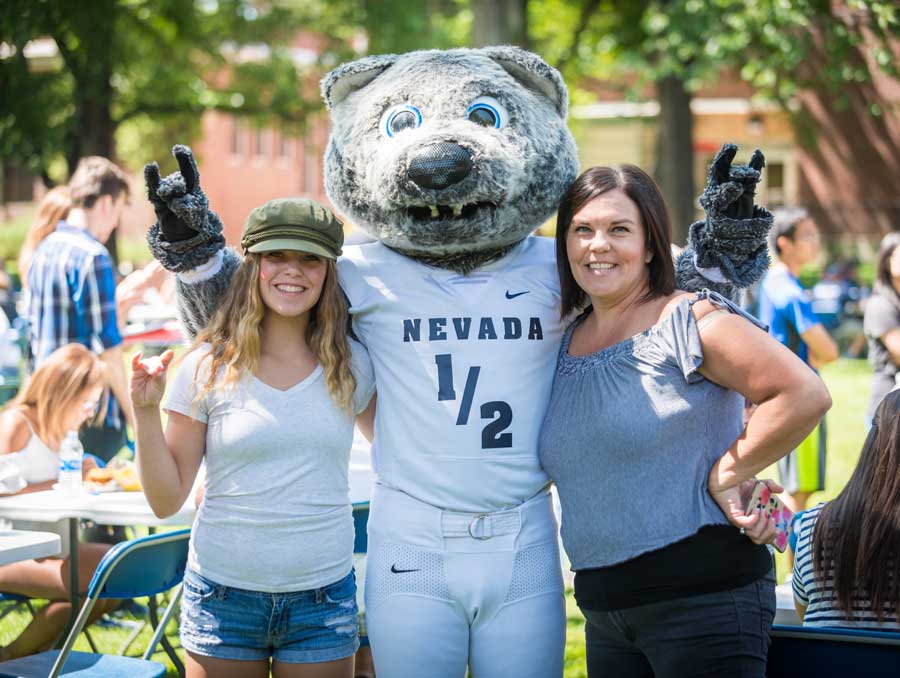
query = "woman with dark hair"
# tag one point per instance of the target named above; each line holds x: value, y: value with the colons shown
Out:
x: 881, y: 322
x: 644, y: 437
x: 847, y: 567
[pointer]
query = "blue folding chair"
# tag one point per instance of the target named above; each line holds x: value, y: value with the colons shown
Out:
x: 140, y: 567
x: 798, y: 651
x: 15, y: 601
x: 361, y: 544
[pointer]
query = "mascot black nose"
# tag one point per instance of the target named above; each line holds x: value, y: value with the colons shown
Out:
x: 440, y: 165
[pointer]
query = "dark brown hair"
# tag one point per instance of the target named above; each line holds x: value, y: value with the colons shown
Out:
x: 885, y: 252
x: 645, y: 194
x: 95, y: 177
x: 856, y: 538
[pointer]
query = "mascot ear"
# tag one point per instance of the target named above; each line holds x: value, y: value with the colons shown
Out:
x: 349, y: 77
x: 533, y: 72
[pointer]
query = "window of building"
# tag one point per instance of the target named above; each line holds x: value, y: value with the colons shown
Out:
x: 18, y: 183
x: 773, y: 175
x: 310, y: 170
x: 285, y: 145
x: 238, y: 138
x: 261, y: 142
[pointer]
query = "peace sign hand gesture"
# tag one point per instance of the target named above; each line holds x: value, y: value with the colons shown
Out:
x: 730, y: 189
x: 187, y: 233
x: 178, y: 200
x: 732, y: 236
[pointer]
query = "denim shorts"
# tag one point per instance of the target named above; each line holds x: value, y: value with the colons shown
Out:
x: 300, y: 627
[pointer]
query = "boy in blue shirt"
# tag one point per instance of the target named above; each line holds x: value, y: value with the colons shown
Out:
x: 785, y: 307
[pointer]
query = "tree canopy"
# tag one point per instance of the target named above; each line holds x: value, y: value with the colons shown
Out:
x: 140, y: 72
x: 153, y: 64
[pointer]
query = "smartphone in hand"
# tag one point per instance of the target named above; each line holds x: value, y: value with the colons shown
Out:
x: 763, y: 498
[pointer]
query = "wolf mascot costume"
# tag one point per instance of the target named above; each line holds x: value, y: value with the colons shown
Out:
x: 451, y: 159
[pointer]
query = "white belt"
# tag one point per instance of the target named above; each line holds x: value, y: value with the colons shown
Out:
x: 480, y: 525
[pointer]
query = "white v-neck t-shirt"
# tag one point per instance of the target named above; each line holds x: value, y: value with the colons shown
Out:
x: 276, y: 513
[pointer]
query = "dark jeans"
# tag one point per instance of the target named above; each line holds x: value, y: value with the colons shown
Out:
x: 712, y: 634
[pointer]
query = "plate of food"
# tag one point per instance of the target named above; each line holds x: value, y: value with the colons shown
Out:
x: 115, y: 476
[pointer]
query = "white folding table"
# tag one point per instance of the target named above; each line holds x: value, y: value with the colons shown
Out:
x: 16, y: 545
x: 107, y: 508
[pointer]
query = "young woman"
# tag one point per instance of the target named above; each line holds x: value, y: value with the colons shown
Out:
x: 268, y: 397
x: 644, y: 437
x: 61, y: 395
x: 847, y: 567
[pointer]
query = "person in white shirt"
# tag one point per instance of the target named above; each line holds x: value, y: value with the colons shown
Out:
x: 267, y: 396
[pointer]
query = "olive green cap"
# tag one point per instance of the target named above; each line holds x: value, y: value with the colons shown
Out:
x: 296, y: 224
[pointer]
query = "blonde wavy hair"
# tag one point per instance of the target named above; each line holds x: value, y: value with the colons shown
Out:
x: 53, y: 208
x: 233, y: 334
x: 57, y: 386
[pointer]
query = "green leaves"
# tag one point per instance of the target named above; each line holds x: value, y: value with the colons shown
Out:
x: 779, y: 46
x: 154, y: 66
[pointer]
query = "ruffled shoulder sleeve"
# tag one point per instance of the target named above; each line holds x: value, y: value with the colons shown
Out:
x: 685, y: 332
x: 684, y: 341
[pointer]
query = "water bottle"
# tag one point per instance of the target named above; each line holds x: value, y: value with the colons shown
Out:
x: 10, y: 364
x: 71, y: 454
x: 11, y: 356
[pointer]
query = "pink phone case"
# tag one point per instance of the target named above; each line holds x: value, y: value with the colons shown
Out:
x: 763, y: 498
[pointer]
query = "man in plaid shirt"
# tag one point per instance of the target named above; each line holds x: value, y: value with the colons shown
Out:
x: 72, y: 292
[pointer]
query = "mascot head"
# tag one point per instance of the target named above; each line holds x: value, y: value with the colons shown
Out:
x: 450, y: 157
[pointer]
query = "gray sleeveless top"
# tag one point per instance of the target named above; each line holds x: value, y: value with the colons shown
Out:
x: 630, y: 435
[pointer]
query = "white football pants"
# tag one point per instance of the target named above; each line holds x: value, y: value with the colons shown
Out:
x: 447, y: 590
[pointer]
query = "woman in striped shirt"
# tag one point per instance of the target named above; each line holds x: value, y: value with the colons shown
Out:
x: 847, y: 566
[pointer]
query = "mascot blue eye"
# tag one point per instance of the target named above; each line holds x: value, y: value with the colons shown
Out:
x: 487, y: 112
x: 399, y: 119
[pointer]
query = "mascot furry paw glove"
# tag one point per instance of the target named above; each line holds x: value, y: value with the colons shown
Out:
x: 187, y: 232
x: 733, y: 236
x: 187, y: 236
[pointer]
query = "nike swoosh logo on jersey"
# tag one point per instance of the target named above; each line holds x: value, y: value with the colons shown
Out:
x: 396, y: 571
x: 517, y: 294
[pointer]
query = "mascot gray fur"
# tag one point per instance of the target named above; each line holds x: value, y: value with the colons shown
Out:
x: 450, y: 160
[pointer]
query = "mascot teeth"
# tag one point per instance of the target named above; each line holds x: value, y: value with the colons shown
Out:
x: 456, y: 210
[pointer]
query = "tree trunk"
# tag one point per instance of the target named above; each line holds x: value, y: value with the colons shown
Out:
x: 94, y: 127
x: 93, y: 132
x: 499, y: 22
x: 675, y: 154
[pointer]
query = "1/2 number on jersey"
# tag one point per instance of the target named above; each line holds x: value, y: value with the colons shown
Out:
x: 494, y: 435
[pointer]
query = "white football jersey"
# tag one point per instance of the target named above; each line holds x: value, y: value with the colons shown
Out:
x: 463, y: 369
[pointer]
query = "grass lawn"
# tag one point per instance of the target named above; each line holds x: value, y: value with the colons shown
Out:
x: 848, y: 381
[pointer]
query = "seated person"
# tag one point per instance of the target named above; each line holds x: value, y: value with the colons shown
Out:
x: 61, y: 395
x: 847, y: 560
